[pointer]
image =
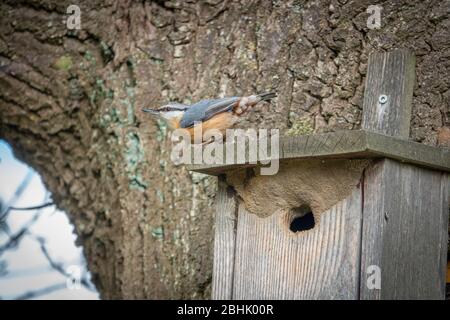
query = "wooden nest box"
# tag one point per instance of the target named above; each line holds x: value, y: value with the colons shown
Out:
x: 350, y: 215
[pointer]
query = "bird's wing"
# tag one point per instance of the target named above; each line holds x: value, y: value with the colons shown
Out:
x: 206, y: 109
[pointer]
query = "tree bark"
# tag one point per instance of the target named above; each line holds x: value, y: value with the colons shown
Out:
x: 70, y: 107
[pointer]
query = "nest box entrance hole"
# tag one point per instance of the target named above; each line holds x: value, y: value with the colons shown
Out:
x: 301, y: 219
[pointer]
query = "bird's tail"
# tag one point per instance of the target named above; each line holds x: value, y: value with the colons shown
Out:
x: 267, y: 96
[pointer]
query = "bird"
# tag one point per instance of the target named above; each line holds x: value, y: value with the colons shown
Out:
x: 220, y: 114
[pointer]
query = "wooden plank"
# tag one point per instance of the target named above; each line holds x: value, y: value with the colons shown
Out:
x: 325, y: 144
x: 409, y: 152
x: 390, y: 75
x: 405, y: 224
x: 322, y: 263
x: 349, y: 144
x: 224, y: 242
x: 336, y: 144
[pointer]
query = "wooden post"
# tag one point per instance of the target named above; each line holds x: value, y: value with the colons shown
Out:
x: 224, y: 242
x: 404, y: 232
x: 388, y: 93
x: 405, y: 209
x: 391, y: 226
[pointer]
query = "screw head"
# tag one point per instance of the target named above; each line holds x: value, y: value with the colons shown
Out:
x: 383, y: 99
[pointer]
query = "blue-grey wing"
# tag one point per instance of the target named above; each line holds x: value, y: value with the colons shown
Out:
x: 206, y: 109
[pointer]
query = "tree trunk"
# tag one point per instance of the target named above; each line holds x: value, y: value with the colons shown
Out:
x: 70, y: 107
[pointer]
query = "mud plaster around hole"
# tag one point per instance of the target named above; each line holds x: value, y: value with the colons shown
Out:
x: 319, y: 184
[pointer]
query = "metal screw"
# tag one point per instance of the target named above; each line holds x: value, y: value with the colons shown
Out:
x: 383, y: 99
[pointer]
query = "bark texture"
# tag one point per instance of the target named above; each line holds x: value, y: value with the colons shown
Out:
x: 70, y: 106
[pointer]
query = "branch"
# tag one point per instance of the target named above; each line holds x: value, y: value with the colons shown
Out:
x: 48, y: 204
x: 20, y: 189
x: 59, y: 266
x: 3, y: 268
x: 15, y: 239
x: 42, y: 291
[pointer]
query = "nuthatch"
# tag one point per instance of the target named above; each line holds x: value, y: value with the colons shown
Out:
x: 220, y: 114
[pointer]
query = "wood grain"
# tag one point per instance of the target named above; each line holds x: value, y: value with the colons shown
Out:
x: 224, y: 242
x: 405, y: 221
x: 391, y: 74
x: 348, y: 145
x: 322, y: 263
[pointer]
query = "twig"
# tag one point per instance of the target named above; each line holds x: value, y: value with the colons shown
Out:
x: 20, y: 189
x: 42, y: 291
x: 48, y: 204
x: 14, y: 239
x: 59, y: 266
x: 3, y: 268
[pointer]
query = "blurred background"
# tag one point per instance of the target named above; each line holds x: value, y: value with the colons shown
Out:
x: 39, y: 258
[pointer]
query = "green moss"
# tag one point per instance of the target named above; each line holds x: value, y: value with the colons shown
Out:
x: 108, y: 118
x: 100, y: 92
x: 64, y: 63
x: 134, y: 157
x: 158, y: 232
x: 162, y: 130
x: 138, y: 183
x: 134, y: 153
x: 115, y: 115
x: 301, y: 127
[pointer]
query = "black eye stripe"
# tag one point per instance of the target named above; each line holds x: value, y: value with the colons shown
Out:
x: 175, y: 109
x: 172, y: 108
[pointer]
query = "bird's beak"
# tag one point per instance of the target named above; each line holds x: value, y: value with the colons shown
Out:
x: 151, y: 111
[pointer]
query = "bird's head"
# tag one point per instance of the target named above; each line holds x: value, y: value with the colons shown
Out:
x: 170, y: 113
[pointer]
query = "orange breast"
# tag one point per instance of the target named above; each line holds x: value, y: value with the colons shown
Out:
x: 221, y: 122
